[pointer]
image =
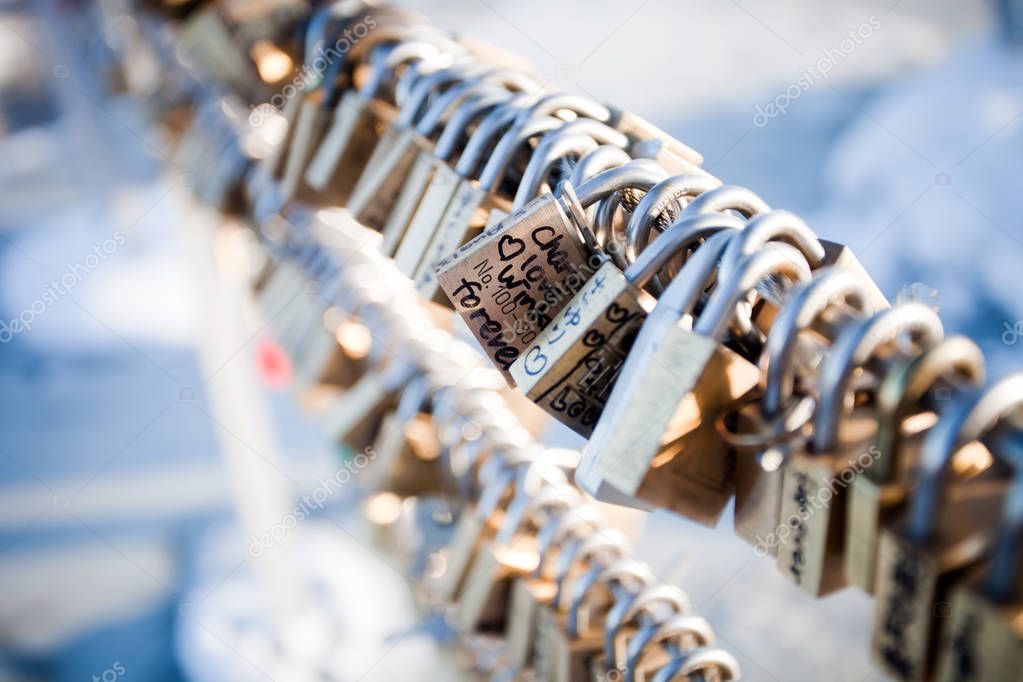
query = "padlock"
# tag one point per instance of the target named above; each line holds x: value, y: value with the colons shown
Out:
x: 379, y: 186
x: 650, y: 142
x: 415, y: 227
x: 655, y: 442
x: 474, y: 207
x: 949, y: 528
x: 910, y: 400
x: 510, y: 281
x: 983, y: 640
x: 446, y: 179
x: 817, y: 473
x: 306, y: 130
x: 459, y: 204
x: 709, y: 663
x: 572, y: 365
x: 359, y: 119
x: 762, y: 429
x: 561, y: 146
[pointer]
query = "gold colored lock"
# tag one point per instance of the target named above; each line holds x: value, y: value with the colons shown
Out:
x: 949, y: 528
x: 817, y: 474
x: 909, y: 402
x: 984, y: 638
x: 509, y: 282
x: 762, y: 430
x: 656, y: 442
x: 455, y: 206
x: 566, y: 143
x: 360, y: 118
x: 571, y: 367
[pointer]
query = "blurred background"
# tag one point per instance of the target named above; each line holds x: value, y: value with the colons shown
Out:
x: 895, y: 127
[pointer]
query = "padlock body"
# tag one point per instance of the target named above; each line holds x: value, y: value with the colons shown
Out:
x: 572, y: 365
x: 984, y: 641
x: 509, y: 282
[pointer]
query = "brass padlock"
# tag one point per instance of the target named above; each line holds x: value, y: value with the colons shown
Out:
x: 948, y: 529
x: 984, y: 640
x: 558, y: 147
x: 423, y: 244
x: 570, y: 368
x: 473, y: 206
x: 359, y: 119
x: 762, y: 430
x: 656, y: 442
x: 452, y: 210
x: 817, y: 474
x: 378, y: 189
x: 509, y: 282
x: 446, y: 179
x: 910, y: 400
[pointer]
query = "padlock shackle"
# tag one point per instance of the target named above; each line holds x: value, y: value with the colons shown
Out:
x: 459, y: 70
x: 685, y: 664
x: 384, y: 59
x: 561, y: 527
x: 597, y: 160
x: 782, y: 226
x: 485, y: 99
x: 594, y: 548
x: 516, y: 136
x: 553, y: 147
x: 656, y: 201
x: 828, y: 287
x: 854, y: 349
x: 640, y: 174
x: 907, y: 385
x: 969, y: 418
x: 574, y: 139
x: 659, y: 593
x: 491, y: 125
x: 676, y: 628
x: 583, y: 588
x: 774, y: 259
x: 525, y: 509
x: 729, y: 198
x: 552, y: 104
x: 682, y: 235
x: 447, y: 102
